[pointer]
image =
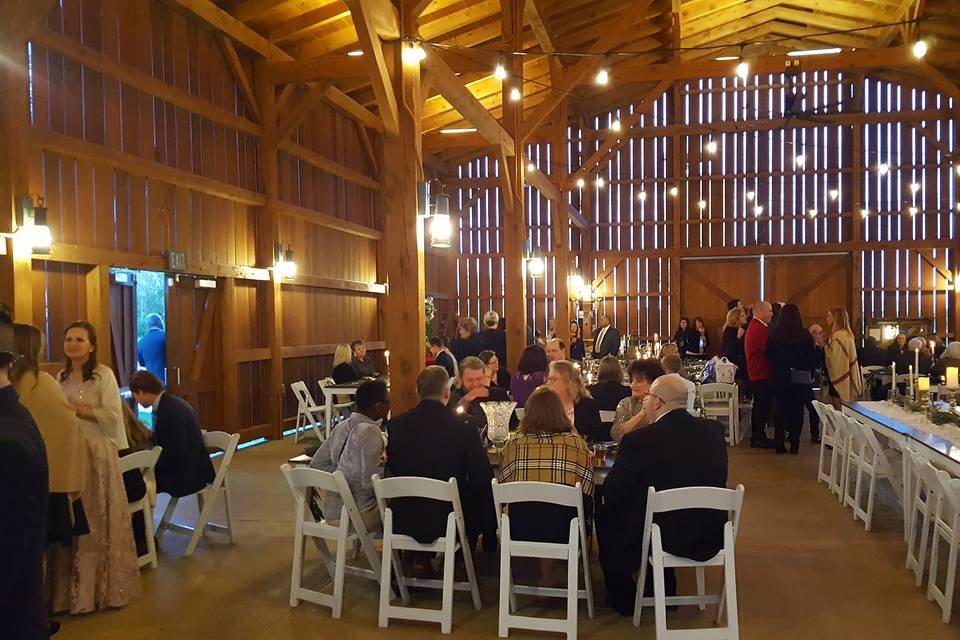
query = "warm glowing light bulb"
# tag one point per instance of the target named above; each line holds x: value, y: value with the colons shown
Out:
x: 702, y: 204
x: 834, y: 194
x: 575, y: 282
x: 750, y: 196
x: 958, y: 169
x: 603, y: 77
x: 600, y: 182
x: 500, y: 72
x: 743, y: 70
x: 711, y: 147
x: 615, y: 125
x: 864, y: 212
x: 356, y: 53
x: 535, y: 267
x: 812, y: 213
x: 757, y: 210
x: 515, y: 94
x: 912, y: 211
x: 580, y: 182
x: 799, y: 161
x: 883, y: 168
x: 919, y: 49
x: 531, y: 167
x: 674, y: 191
x: 914, y: 187
x: 412, y: 53
x: 642, y: 196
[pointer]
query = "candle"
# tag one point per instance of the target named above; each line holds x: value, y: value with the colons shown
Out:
x: 923, y: 383
x: 916, y: 361
x: 933, y: 347
x: 589, y: 378
x: 952, y: 375
x: 910, y: 380
x: 386, y: 356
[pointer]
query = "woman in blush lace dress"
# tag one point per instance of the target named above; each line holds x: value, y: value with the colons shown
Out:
x: 100, y: 570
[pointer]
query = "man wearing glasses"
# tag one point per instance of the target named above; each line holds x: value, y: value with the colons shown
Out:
x: 676, y: 450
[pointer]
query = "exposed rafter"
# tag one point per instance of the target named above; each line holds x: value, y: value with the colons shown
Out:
x: 240, y: 75
x: 370, y: 18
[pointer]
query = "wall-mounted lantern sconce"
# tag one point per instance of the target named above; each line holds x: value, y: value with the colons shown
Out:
x: 283, y: 263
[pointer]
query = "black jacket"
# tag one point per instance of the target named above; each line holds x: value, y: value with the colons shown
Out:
x: 344, y: 373
x: 184, y: 465
x: 23, y: 522
x: 611, y: 342
x: 428, y: 442
x: 609, y: 394
x: 496, y: 341
x: 445, y: 360
x: 586, y: 417
x: 472, y: 346
x: 785, y: 354
x: 474, y: 415
x: 678, y: 450
x: 578, y: 350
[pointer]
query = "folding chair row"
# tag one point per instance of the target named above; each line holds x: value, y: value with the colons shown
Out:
x: 310, y: 414
x: 721, y: 400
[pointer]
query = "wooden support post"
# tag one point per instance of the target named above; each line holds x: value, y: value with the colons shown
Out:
x: 403, y: 328
x: 514, y: 227
x: 228, y: 337
x: 268, y: 235
x: 560, y: 224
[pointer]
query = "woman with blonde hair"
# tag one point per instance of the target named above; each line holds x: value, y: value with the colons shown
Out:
x: 733, y: 333
x: 343, y: 371
x: 840, y: 353
x: 579, y: 406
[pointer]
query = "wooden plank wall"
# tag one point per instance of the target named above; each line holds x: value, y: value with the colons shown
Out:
x: 183, y: 176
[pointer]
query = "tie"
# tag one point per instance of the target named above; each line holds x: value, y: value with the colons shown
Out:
x: 600, y: 336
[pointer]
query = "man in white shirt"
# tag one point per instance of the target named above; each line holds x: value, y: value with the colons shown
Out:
x: 673, y: 365
x: 606, y: 340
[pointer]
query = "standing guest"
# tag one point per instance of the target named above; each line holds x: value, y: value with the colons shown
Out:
x: 23, y: 508
x: 184, y: 466
x: 606, y: 339
x: 676, y: 450
x: 950, y: 358
x: 736, y: 303
x: 578, y: 350
x: 897, y: 347
x: 429, y: 442
x: 698, y: 341
x: 733, y: 333
x: 356, y: 448
x: 468, y: 341
x: 100, y: 569
x: 343, y: 371
x: 793, y: 358
x: 776, y: 308
x: 60, y: 429
x: 556, y: 350
x: 609, y: 389
x: 840, y: 352
x: 872, y: 355
x: 474, y: 389
x: 672, y: 366
x: 580, y: 407
x: 758, y: 372
x: 547, y: 450
x: 630, y: 415
x: 442, y: 356
x: 492, y: 338
x: 816, y: 332
x: 531, y: 373
x: 682, y: 336
x: 499, y: 376
x: 362, y: 365
x: 152, y: 347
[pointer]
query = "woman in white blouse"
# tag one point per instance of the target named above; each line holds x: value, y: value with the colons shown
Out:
x: 100, y: 569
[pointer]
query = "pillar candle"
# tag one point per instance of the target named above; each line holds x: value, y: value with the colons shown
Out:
x: 916, y: 361
x: 952, y: 375
x: 923, y: 383
x: 386, y: 356
x: 910, y: 381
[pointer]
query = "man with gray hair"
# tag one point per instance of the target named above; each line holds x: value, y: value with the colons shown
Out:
x: 493, y: 338
x: 429, y: 442
x: 675, y: 450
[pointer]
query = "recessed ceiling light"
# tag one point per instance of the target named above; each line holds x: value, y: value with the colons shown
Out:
x: 355, y: 54
x: 814, y: 52
x: 459, y: 130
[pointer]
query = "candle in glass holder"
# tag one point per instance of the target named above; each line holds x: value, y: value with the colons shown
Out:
x: 923, y: 383
x: 916, y: 361
x: 386, y: 356
x: 952, y: 374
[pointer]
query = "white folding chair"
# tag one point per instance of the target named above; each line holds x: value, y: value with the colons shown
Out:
x: 722, y: 400
x: 829, y: 446
x: 448, y: 544
x: 867, y: 461
x: 728, y: 500
x: 144, y: 462
x: 573, y: 551
x: 350, y: 530
x: 946, y: 527
x: 921, y: 495
x: 341, y: 410
x: 207, y: 497
x: 307, y: 411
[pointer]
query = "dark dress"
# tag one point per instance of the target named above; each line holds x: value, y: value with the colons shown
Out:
x: 23, y: 521
x: 586, y: 418
x: 472, y: 346
x: 184, y: 465
x: 344, y: 373
x: 733, y: 351
x: 678, y: 450
x: 429, y: 442
x: 608, y: 394
x: 790, y: 354
x: 693, y: 344
x: 496, y: 341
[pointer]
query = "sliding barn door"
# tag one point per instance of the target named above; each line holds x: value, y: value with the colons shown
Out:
x: 123, y: 326
x: 815, y: 283
x: 706, y: 287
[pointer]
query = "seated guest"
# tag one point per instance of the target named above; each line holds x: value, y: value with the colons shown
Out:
x: 579, y: 405
x: 556, y: 350
x: 669, y: 349
x: 898, y: 346
x: 184, y: 465
x: 356, y: 448
x: 676, y: 450
x: 531, y: 373
x: 872, y: 355
x: 907, y: 358
x: 672, y: 366
x: 362, y: 365
x: 442, y: 356
x: 609, y: 389
x: 343, y: 371
x: 468, y: 341
x: 493, y: 338
x: 547, y: 450
x: 630, y: 415
x: 474, y: 388
x: 429, y: 442
x: 950, y: 358
x: 499, y: 376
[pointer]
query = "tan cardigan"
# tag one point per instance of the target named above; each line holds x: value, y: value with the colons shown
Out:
x: 842, y: 365
x: 60, y: 428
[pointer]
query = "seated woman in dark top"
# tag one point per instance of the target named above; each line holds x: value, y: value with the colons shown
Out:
x: 343, y: 371
x: 531, y: 373
x: 609, y: 389
x: 499, y: 376
x: 579, y: 405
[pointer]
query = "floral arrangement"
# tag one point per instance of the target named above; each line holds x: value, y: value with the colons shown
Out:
x: 429, y: 309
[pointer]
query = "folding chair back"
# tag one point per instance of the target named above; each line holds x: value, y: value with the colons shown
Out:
x: 144, y: 462
x: 307, y: 410
x: 722, y: 399
x: 946, y: 529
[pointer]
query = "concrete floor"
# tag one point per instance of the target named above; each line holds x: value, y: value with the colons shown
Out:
x: 805, y: 570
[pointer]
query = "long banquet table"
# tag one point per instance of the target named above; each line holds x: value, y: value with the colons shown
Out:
x: 940, y: 443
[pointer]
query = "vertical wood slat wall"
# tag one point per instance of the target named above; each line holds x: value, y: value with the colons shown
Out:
x: 751, y: 197
x: 130, y: 217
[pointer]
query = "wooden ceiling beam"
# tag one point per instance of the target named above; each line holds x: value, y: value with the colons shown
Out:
x: 536, y: 18
x: 887, y: 35
x: 296, y: 115
x: 371, y: 18
x: 575, y: 75
x: 308, y: 21
x: 240, y: 75
x: 253, y: 9
x: 944, y: 84
x: 450, y: 87
x: 329, y: 67
x: 327, y: 165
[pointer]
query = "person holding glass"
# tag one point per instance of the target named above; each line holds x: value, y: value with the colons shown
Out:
x: 629, y: 415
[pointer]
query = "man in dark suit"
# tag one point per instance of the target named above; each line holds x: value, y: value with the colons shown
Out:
x: 152, y: 347
x: 442, y: 356
x: 474, y: 389
x: 184, y: 465
x: 494, y: 338
x: 23, y: 508
x: 427, y: 441
x: 606, y: 339
x: 676, y: 450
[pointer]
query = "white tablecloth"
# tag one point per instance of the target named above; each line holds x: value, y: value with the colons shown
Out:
x: 917, y: 420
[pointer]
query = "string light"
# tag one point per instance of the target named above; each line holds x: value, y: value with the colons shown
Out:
x: 757, y: 210
x: 914, y: 187
x: 615, y: 125
x: 712, y: 146
x: 643, y: 196
x: 580, y: 183
x: 603, y: 77
x: 883, y: 168
x: 750, y: 196
x: 834, y: 194
x: 600, y: 182
x: 919, y: 49
x: 500, y: 73
x: 743, y: 70
x: 799, y: 161
x: 864, y: 212
x: 812, y: 213
x: 535, y: 267
x: 674, y: 191
x: 702, y: 204
x: 515, y: 94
